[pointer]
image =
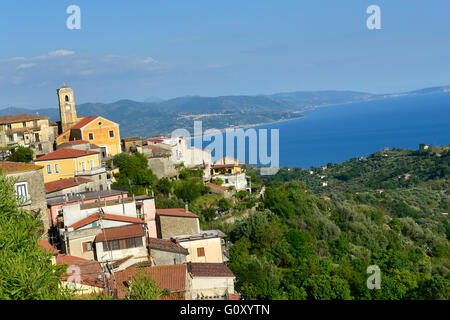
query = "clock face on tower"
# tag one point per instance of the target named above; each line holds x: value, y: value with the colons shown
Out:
x: 67, y: 107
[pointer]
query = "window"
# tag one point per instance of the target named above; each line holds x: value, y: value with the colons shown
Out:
x: 9, y: 126
x: 114, y: 244
x: 83, y: 166
x: 40, y: 147
x: 131, y: 243
x: 111, y: 133
x: 122, y: 244
x: 92, y: 164
x: 21, y: 190
x: 20, y: 136
x: 67, y: 98
x: 24, y: 124
x: 49, y: 169
x: 91, y: 136
x: 100, y: 123
x: 10, y: 137
x: 87, y: 246
x: 200, y: 252
x: 56, y: 168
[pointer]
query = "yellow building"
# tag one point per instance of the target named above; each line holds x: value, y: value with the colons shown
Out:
x: 96, y: 130
x: 203, y: 247
x: 68, y: 163
x: 27, y: 130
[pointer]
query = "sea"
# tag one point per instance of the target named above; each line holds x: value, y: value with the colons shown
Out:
x: 339, y: 132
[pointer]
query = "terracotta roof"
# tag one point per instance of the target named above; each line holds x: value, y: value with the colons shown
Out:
x: 209, y: 270
x: 234, y: 296
x: 13, y: 167
x: 86, y: 120
x: 90, y: 271
x: 178, y: 212
x: 133, y: 231
x: 131, y: 139
x: 65, y: 153
x: 212, y: 185
x: 64, y: 184
x: 171, y: 277
x: 96, y: 216
x: 20, y: 118
x: 76, y: 142
x: 48, y: 247
x: 166, y: 245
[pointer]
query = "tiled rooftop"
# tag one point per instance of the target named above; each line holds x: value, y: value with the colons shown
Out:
x: 132, y: 231
x: 166, y: 245
x: 64, y: 184
x: 171, y: 277
x: 13, y: 167
x: 65, y: 153
x: 96, y: 216
x: 178, y: 212
x: 21, y: 118
x: 209, y: 270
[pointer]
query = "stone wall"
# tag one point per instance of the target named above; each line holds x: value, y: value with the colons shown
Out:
x: 170, y: 226
x: 37, y: 202
x: 164, y: 258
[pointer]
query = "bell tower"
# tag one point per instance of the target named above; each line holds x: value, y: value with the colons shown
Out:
x: 67, y: 110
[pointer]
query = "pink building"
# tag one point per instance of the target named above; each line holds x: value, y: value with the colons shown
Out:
x: 148, y: 211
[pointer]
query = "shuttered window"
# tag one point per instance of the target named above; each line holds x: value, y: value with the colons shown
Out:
x: 87, y: 246
x: 200, y: 252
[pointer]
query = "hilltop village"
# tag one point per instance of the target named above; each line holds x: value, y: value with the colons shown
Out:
x: 90, y: 221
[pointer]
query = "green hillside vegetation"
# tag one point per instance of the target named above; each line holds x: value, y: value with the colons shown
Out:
x: 313, y: 242
x: 301, y: 240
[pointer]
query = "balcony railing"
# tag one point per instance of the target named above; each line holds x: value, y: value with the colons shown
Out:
x: 90, y: 172
x: 22, y: 129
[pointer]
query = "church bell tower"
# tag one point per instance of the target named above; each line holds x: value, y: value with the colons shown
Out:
x: 67, y: 110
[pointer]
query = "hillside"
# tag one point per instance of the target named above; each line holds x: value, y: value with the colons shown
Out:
x: 308, y: 241
x: 162, y: 117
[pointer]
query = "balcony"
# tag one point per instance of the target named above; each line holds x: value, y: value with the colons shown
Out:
x: 22, y: 129
x: 91, y: 172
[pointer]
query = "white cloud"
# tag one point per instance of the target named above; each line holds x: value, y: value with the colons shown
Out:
x: 25, y: 66
x: 67, y: 66
x: 61, y: 53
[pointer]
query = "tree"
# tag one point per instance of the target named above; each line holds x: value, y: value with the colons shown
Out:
x: 142, y: 287
x: 209, y: 213
x: 21, y: 154
x: 26, y: 271
x: 163, y: 186
x: 218, y: 181
x: 134, y: 174
x: 190, y: 189
x: 224, y: 204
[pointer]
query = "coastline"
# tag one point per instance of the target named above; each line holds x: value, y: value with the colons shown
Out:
x: 246, y: 126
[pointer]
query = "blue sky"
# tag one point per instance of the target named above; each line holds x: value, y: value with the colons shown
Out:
x: 139, y: 49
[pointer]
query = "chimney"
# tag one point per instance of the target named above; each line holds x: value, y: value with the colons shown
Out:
x: 204, y: 235
x: 186, y: 208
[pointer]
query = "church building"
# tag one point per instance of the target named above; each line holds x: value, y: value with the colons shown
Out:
x: 96, y: 130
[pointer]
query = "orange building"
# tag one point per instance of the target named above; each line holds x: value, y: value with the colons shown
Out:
x: 96, y: 130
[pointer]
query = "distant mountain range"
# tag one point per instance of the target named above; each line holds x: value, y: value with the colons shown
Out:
x: 156, y: 116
